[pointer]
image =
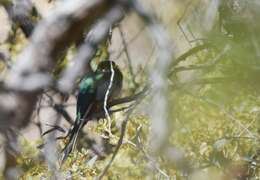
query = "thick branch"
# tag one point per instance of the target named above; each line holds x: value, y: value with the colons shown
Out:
x: 20, y: 13
x: 87, y: 51
x: 31, y: 73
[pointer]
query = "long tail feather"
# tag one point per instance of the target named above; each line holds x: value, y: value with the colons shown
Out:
x: 72, y: 141
x: 74, y: 134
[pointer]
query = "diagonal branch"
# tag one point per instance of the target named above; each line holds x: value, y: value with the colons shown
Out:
x: 87, y: 51
x: 203, y: 66
x: 20, y: 12
x: 129, y: 60
x: 129, y: 98
x: 100, y: 114
x: 31, y: 73
x: 190, y: 52
x: 32, y: 70
x: 119, y: 143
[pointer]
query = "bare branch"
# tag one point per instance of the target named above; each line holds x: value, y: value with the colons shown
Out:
x: 129, y: 61
x: 129, y: 98
x: 155, y: 165
x: 20, y: 12
x: 50, y: 152
x: 60, y: 109
x: 165, y: 52
x: 5, y: 59
x: 130, y: 41
x: 190, y: 52
x: 203, y: 66
x: 120, y: 141
x: 87, y: 51
x: 97, y: 115
x: 32, y: 70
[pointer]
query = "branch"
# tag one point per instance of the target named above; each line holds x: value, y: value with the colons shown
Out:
x: 20, y: 12
x: 31, y: 73
x: 204, y: 66
x: 87, y: 51
x: 100, y: 114
x: 119, y: 143
x: 155, y: 165
x: 5, y: 59
x: 228, y: 114
x: 190, y: 52
x: 121, y: 51
x: 165, y: 53
x: 129, y: 61
x: 50, y: 152
x: 60, y: 109
x: 129, y: 98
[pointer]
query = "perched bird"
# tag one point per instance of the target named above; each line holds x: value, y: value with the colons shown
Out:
x: 90, y: 100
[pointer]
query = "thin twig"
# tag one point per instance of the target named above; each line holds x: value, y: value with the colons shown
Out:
x: 150, y: 159
x: 129, y: 98
x: 38, y: 120
x: 129, y: 61
x: 100, y: 114
x: 31, y: 72
x: 204, y: 66
x: 190, y: 52
x: 59, y: 108
x: 119, y: 143
x: 106, y: 97
x: 130, y: 41
x: 87, y: 50
x: 228, y: 114
x: 165, y: 54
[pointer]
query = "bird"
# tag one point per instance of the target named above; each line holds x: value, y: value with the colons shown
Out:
x: 93, y: 89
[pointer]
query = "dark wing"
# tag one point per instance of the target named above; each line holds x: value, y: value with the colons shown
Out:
x: 84, y: 100
x: 118, y: 83
x: 103, y: 85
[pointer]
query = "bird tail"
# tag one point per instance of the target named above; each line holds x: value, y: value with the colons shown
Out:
x: 69, y: 147
x: 79, y: 123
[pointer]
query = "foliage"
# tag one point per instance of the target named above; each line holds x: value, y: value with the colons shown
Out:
x: 213, y: 116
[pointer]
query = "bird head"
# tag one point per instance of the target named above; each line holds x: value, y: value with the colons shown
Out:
x: 105, y: 66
